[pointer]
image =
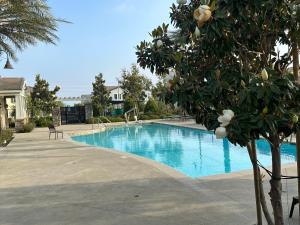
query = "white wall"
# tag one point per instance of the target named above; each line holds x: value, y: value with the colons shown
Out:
x: 148, y: 95
x: 3, y: 122
x: 117, y: 95
x: 11, y: 105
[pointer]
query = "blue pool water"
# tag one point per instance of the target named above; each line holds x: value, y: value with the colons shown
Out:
x: 193, y: 152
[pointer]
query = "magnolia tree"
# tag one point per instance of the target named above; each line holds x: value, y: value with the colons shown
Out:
x: 222, y: 64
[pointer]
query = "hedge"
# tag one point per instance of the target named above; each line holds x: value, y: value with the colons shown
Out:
x: 5, y: 137
x: 27, y: 128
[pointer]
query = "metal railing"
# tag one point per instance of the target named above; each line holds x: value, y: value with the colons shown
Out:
x: 98, y: 122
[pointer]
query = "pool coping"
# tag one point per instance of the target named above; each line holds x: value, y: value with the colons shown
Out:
x: 177, y: 175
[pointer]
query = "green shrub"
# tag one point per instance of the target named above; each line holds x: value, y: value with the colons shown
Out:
x: 151, y: 106
x: 102, y: 119
x: 148, y: 116
x: 43, y: 121
x: 90, y: 121
x: 113, y: 119
x: 27, y: 128
x: 164, y: 108
x: 11, y: 123
x: 144, y: 117
x: 5, y: 137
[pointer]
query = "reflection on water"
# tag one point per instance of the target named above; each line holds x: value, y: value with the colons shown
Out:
x: 193, y: 152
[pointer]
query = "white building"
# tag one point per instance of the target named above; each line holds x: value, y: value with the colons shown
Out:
x: 117, y: 96
x: 13, y: 94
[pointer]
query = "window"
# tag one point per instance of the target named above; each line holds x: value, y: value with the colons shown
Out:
x: 120, y: 96
x: 115, y: 96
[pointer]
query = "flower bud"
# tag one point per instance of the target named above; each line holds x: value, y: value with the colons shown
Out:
x: 197, y: 32
x: 181, y: 2
x: 264, y: 75
x: 295, y: 119
x: 159, y: 43
x: 265, y: 110
x: 243, y: 84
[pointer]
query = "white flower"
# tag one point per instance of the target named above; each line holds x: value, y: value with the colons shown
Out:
x: 202, y: 14
x: 221, y: 132
x: 264, y: 75
x: 181, y: 2
x: 225, y: 119
x: 171, y: 75
x: 159, y: 43
x: 197, y: 32
x: 228, y: 112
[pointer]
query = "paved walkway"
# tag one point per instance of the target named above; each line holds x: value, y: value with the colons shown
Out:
x: 59, y: 182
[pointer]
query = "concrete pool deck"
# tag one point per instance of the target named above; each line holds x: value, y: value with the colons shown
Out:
x: 59, y: 182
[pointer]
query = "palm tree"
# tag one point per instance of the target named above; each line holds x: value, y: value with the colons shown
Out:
x: 24, y: 23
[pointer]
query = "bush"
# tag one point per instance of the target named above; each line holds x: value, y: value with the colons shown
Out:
x: 164, y: 108
x: 43, y: 121
x: 5, y: 137
x: 148, y: 116
x: 113, y: 119
x: 11, y: 123
x: 151, y: 106
x: 27, y: 128
x: 90, y: 121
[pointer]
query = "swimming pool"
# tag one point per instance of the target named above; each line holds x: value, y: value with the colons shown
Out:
x: 194, y: 152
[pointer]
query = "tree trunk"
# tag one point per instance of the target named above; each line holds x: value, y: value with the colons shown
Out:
x: 295, y: 52
x: 264, y: 202
x: 262, y: 198
x: 276, y: 186
x: 256, y: 183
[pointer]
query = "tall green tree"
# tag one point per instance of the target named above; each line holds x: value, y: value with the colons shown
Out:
x: 230, y: 75
x: 42, y: 99
x: 135, y: 86
x: 100, y: 96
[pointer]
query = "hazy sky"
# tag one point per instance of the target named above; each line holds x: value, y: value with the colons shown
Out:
x: 102, y: 38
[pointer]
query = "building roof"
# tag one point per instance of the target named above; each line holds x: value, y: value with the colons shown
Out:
x: 11, y: 83
x: 110, y: 88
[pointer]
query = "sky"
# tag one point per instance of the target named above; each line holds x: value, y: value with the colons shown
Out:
x: 102, y: 38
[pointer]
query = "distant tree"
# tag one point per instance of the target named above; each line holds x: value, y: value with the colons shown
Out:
x: 151, y: 106
x: 135, y: 86
x: 100, y: 96
x: 78, y: 104
x: 25, y: 22
x: 162, y: 93
x: 60, y: 104
x: 42, y: 99
x: 128, y: 104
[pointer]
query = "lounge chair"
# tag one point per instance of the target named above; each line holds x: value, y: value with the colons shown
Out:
x: 52, y: 130
x: 295, y: 202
